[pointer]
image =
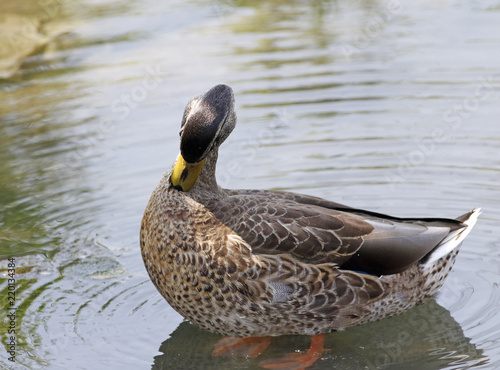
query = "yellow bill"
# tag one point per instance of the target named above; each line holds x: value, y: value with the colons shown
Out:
x: 185, y: 174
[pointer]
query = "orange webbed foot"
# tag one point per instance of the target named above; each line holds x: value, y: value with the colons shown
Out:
x: 298, y: 361
x: 241, y: 347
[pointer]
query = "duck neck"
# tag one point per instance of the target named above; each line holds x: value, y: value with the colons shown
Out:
x: 207, y: 182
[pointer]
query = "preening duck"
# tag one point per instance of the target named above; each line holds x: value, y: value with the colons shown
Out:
x: 258, y: 263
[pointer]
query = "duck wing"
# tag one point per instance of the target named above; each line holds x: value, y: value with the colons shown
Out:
x: 315, y: 230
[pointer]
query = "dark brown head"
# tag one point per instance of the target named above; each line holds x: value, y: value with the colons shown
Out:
x: 208, y: 120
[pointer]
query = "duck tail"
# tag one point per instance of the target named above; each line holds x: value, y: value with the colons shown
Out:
x: 454, y: 239
x: 439, y: 262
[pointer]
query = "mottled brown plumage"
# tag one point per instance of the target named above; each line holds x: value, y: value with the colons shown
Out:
x: 259, y: 262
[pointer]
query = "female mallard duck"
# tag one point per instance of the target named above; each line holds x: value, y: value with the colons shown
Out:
x: 254, y: 263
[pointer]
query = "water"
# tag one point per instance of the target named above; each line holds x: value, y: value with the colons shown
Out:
x: 391, y: 107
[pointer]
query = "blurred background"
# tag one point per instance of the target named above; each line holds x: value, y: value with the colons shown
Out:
x: 390, y: 106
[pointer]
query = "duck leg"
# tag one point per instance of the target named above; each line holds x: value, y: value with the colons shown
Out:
x: 241, y: 347
x: 298, y: 361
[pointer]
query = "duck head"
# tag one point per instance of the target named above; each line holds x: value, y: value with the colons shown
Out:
x: 208, y: 120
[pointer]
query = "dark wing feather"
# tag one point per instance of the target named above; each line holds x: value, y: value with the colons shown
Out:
x: 393, y: 246
x: 317, y: 231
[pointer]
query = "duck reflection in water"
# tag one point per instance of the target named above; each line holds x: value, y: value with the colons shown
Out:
x: 425, y: 337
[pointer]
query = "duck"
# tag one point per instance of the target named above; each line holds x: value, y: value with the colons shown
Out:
x: 253, y: 264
